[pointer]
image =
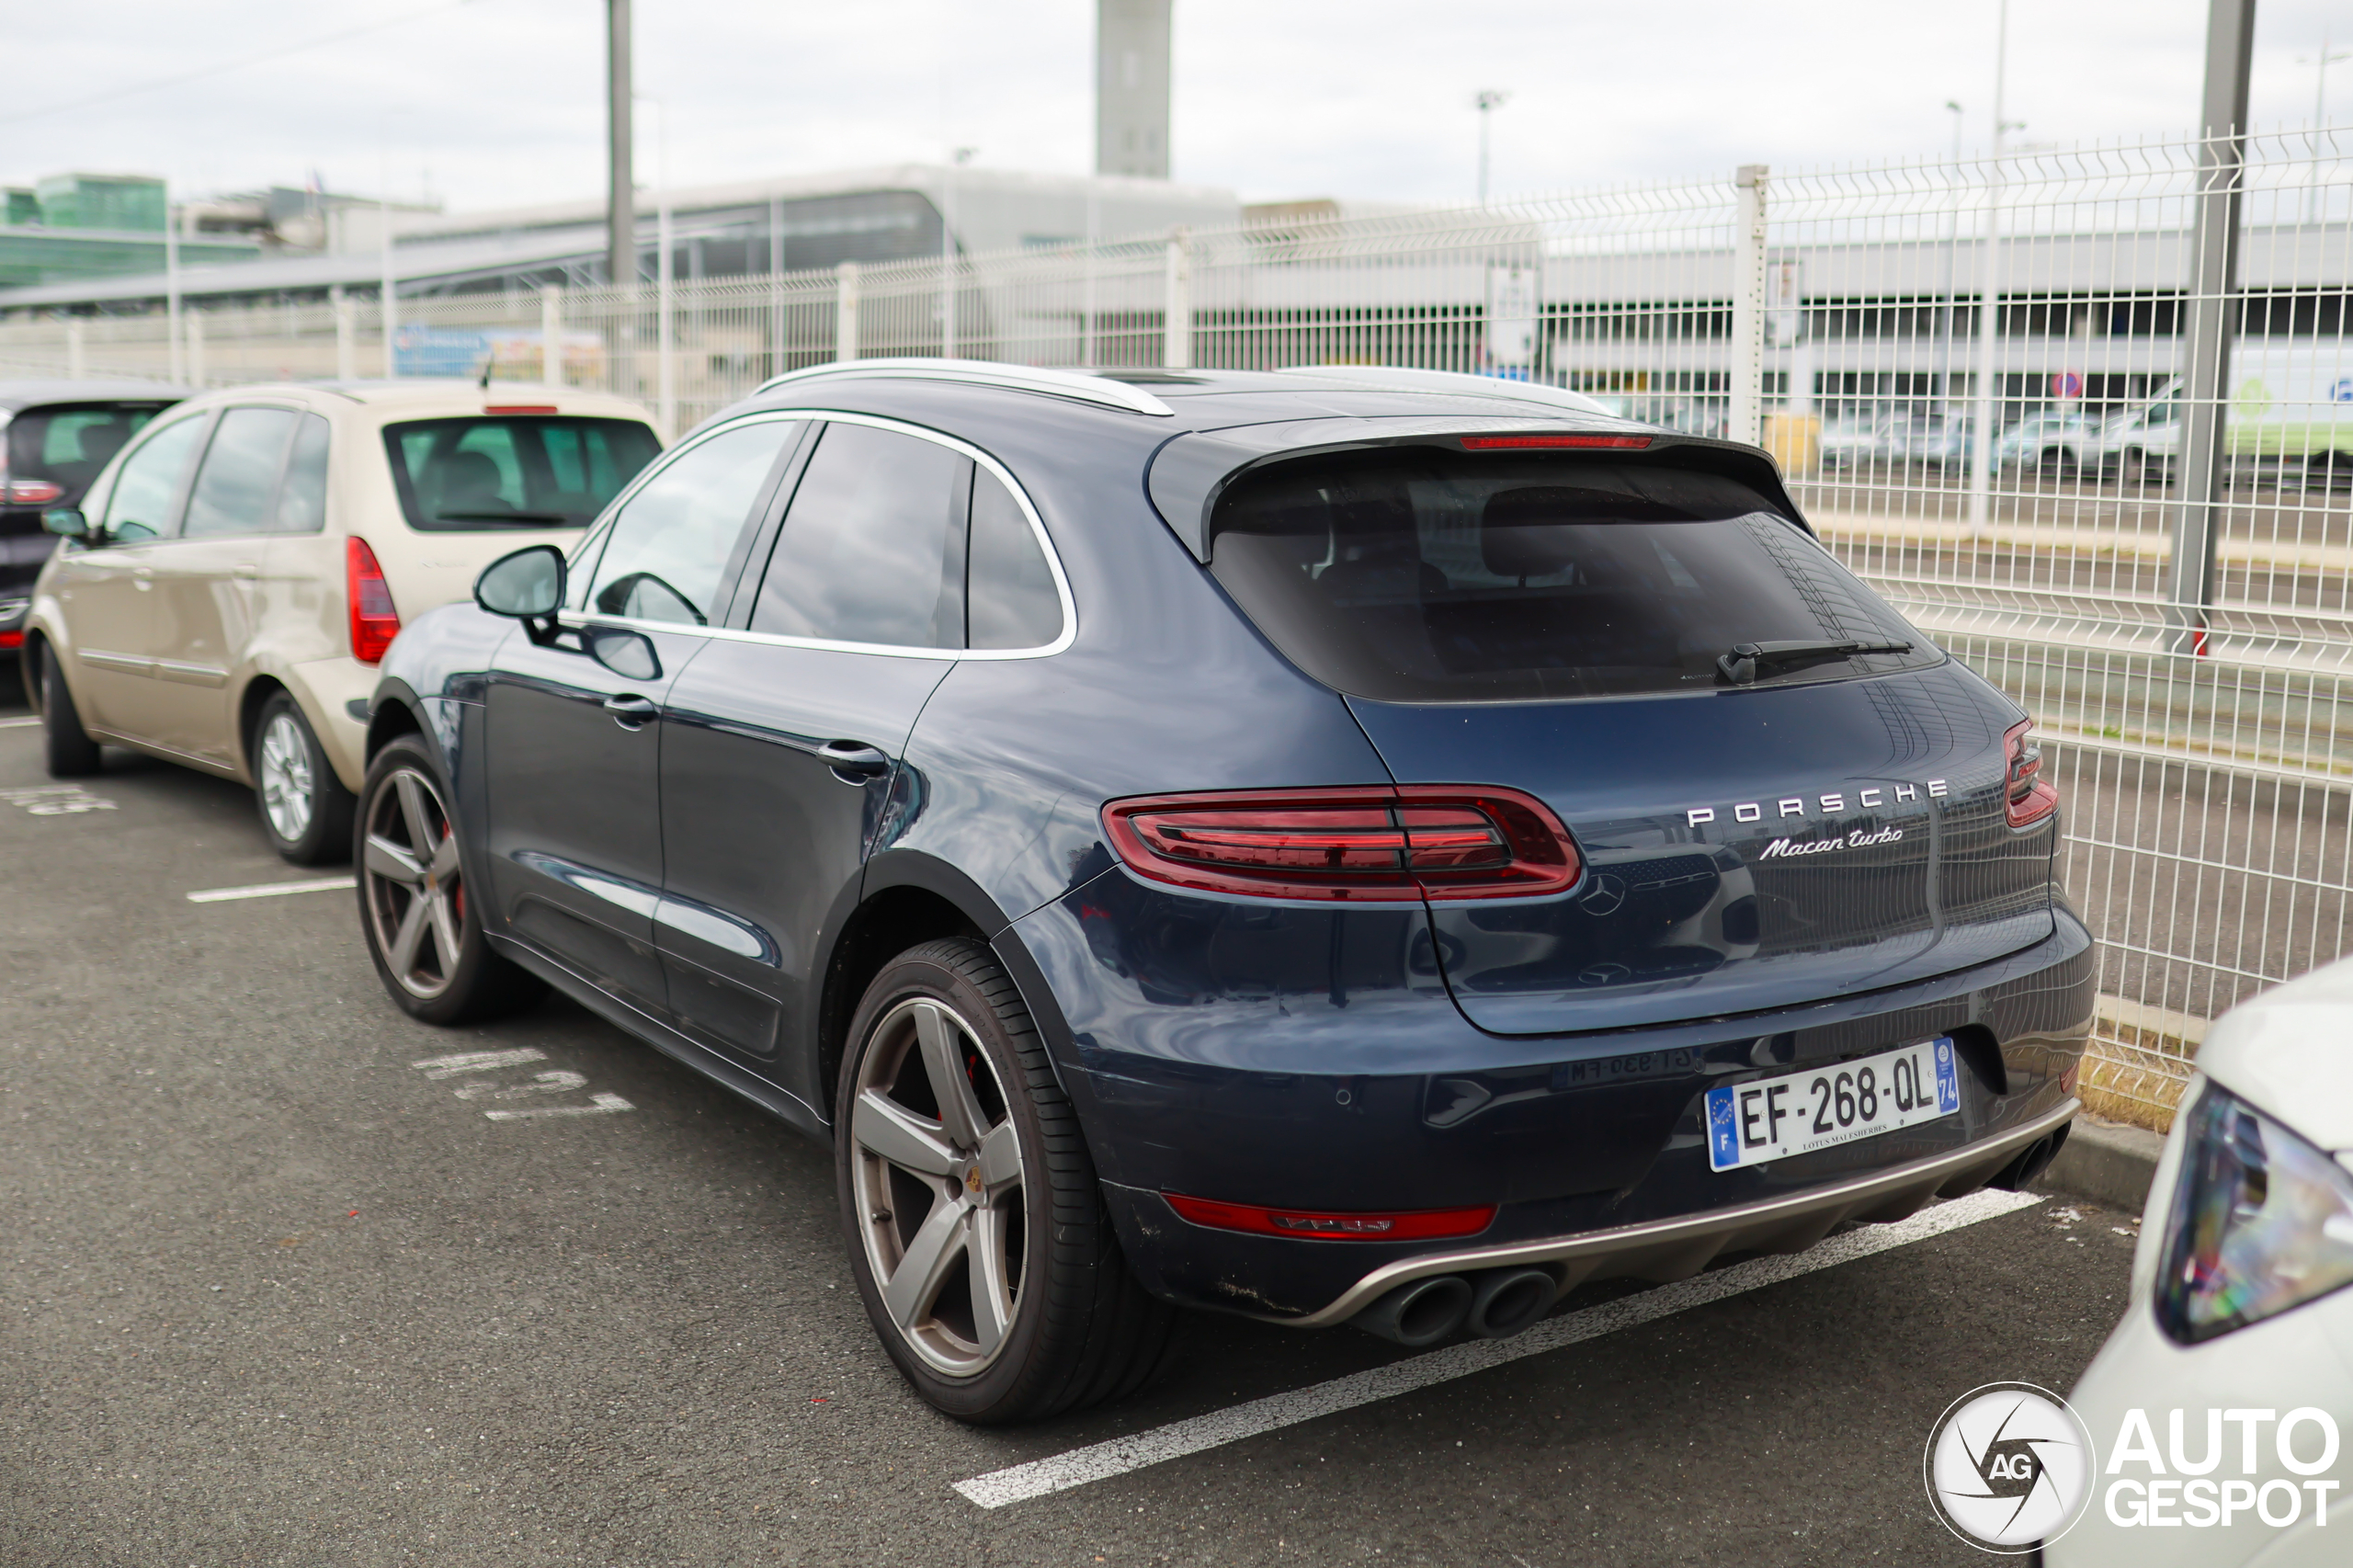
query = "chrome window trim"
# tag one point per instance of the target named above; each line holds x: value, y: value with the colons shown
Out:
x: 1101, y: 390
x: 727, y: 634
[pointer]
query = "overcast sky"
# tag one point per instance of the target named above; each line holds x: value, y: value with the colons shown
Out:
x: 492, y: 102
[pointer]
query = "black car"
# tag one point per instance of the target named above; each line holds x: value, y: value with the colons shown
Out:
x: 54, y: 437
x: 1318, y: 846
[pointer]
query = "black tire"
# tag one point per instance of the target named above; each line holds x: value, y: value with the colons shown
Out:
x: 1078, y: 1328
x: 470, y: 985
x: 305, y: 810
x: 69, y: 750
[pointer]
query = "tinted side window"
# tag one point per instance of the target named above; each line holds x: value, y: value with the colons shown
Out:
x: 667, y: 555
x: 303, y: 497
x: 872, y: 549
x: 1009, y: 591
x: 149, y: 484
x: 237, y: 486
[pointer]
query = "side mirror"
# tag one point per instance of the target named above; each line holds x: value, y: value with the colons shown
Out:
x: 527, y: 585
x: 66, y: 522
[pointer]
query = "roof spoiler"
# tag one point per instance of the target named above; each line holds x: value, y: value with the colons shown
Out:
x: 1190, y: 471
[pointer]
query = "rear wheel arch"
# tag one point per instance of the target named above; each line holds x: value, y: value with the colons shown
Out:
x: 389, y: 720
x: 905, y: 912
x: 250, y: 702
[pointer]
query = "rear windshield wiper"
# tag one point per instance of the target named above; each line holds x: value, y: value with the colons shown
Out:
x: 1747, y: 661
x: 527, y: 520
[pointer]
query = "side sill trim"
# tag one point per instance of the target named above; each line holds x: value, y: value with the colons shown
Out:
x: 1682, y: 1246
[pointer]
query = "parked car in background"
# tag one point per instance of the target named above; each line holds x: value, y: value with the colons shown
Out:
x: 226, y: 588
x: 55, y: 437
x: 2139, y: 445
x: 1854, y: 440
x: 2237, y: 1316
x: 2055, y: 443
x: 1325, y: 846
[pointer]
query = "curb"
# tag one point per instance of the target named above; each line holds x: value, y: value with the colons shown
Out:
x: 2111, y: 1163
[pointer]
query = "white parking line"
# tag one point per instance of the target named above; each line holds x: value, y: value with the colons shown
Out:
x: 273, y: 890
x: 30, y: 721
x: 598, y: 1105
x: 478, y: 1061
x: 1101, y: 1462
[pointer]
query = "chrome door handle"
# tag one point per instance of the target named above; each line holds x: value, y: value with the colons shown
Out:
x: 631, y: 712
x: 853, y: 762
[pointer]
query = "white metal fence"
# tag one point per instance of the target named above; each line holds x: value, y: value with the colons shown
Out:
x: 2197, y: 712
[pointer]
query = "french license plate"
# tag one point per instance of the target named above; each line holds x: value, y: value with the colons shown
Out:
x: 1773, y: 1119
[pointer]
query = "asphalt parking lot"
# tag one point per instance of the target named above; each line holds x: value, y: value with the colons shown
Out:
x: 284, y: 1283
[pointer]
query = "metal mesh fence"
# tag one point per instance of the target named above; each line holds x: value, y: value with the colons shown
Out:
x: 2126, y: 502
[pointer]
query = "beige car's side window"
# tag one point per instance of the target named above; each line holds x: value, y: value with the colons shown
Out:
x: 236, y: 488
x: 147, y: 491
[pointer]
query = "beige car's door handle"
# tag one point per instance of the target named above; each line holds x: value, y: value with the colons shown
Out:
x: 142, y: 578
x: 245, y: 570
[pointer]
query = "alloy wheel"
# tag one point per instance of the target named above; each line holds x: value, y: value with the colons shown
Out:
x: 288, y: 786
x: 939, y: 1185
x: 413, y: 885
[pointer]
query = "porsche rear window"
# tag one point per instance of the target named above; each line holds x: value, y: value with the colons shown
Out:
x: 513, y: 470
x: 1421, y: 575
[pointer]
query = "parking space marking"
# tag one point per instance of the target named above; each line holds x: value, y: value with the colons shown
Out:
x: 1101, y: 1462
x: 478, y: 1061
x: 597, y: 1106
x: 56, y: 800
x: 553, y: 1083
x: 27, y: 722
x: 272, y: 889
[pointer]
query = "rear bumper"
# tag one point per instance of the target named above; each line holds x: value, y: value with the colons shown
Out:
x: 1368, y: 1091
x: 1676, y: 1249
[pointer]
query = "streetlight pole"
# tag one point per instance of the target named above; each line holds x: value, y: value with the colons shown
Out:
x: 172, y: 292
x: 620, y: 199
x: 1489, y: 100
x: 665, y: 278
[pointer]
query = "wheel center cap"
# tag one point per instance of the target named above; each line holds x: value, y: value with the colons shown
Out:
x: 972, y: 1178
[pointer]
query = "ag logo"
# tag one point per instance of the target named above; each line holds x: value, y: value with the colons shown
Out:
x: 2009, y: 1465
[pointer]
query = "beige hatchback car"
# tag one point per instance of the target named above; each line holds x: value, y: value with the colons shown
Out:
x: 223, y: 593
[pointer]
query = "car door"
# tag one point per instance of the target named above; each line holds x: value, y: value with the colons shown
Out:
x: 779, y: 758
x: 206, y: 575
x: 107, y: 590
x: 574, y: 721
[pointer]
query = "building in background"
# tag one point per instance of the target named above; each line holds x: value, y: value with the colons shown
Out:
x: 871, y: 216
x: 77, y: 227
x: 1131, y: 76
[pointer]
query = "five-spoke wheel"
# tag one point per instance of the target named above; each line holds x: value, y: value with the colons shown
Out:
x: 415, y: 892
x: 940, y: 1183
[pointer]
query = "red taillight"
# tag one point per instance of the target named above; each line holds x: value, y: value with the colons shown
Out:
x: 1508, y: 443
x: 374, y: 621
x: 1408, y: 1225
x: 12, y: 639
x: 1437, y: 841
x: 31, y: 491
x: 2027, y: 796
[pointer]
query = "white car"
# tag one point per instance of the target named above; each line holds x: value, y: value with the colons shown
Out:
x: 2238, y: 1316
x: 227, y: 588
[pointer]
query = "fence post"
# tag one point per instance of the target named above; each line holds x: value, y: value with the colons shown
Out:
x: 846, y: 311
x: 2203, y: 467
x: 1985, y: 391
x: 77, y: 364
x: 1745, y: 417
x: 551, y: 334
x: 346, y: 348
x: 777, y: 319
x: 196, y: 349
x: 1176, y: 346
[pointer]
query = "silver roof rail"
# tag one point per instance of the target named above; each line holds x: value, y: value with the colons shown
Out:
x: 1459, y: 383
x: 1076, y: 384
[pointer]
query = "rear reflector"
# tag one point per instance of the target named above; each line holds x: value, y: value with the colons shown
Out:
x: 2028, y: 796
x: 31, y: 491
x: 1514, y: 443
x: 12, y: 639
x: 1373, y: 843
x: 374, y: 621
x: 519, y: 408
x: 1409, y: 1225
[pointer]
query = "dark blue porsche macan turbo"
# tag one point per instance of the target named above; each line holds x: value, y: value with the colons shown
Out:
x: 1335, y: 845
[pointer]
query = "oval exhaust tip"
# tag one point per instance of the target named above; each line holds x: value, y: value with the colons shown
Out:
x: 1508, y: 1301
x: 1420, y: 1313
